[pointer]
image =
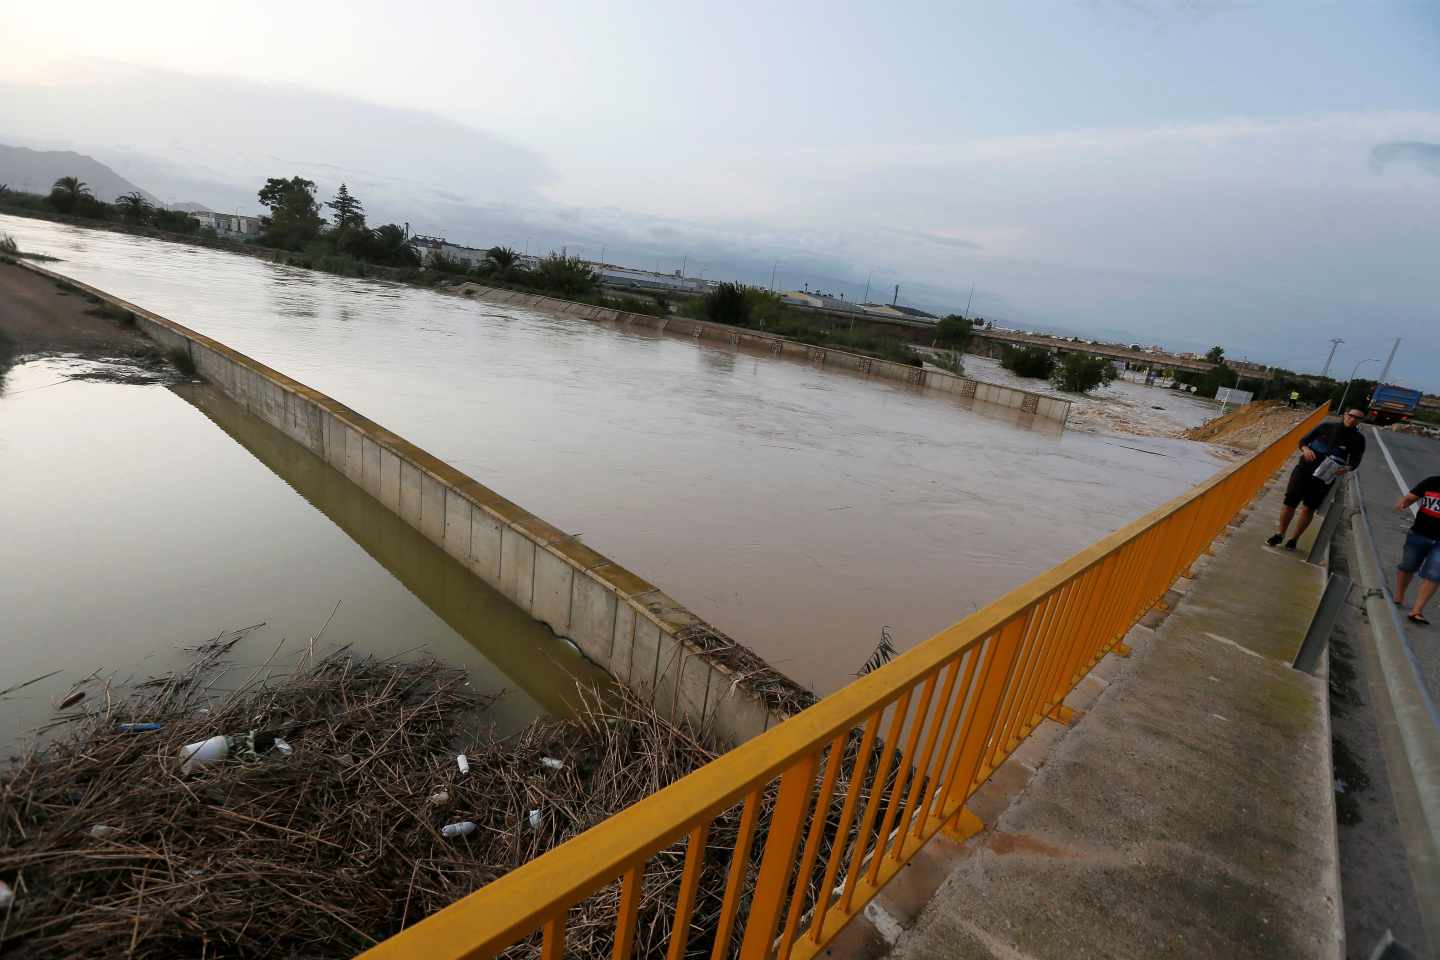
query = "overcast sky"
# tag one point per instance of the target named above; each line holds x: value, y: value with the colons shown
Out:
x: 1264, y: 176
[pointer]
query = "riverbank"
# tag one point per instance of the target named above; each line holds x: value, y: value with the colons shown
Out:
x: 39, y: 317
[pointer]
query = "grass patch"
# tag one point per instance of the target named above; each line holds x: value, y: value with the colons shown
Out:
x: 108, y: 310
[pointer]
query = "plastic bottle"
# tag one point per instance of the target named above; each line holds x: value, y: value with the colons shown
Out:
x: 206, y: 751
x: 463, y: 762
x: 458, y: 829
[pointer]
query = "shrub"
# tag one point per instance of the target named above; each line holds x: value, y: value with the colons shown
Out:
x: 1034, y: 362
x: 568, y: 276
x: 650, y: 308
x: 953, y: 332
x: 1078, y: 373
x: 440, y: 262
x: 727, y: 304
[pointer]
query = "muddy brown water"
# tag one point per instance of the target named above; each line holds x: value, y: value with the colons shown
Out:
x: 142, y: 520
x: 800, y: 510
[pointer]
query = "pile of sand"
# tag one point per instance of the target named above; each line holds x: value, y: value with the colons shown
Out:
x: 1250, y: 427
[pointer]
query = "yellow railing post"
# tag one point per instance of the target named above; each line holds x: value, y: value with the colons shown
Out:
x: 790, y: 808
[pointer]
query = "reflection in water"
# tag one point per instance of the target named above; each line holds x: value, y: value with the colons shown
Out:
x: 797, y: 508
x: 544, y: 666
x: 135, y: 529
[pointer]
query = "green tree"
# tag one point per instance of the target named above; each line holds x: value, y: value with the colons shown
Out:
x: 1034, y: 362
x: 727, y: 303
x: 1079, y: 373
x: 954, y: 332
x: 349, y: 211
x: 1215, y: 354
x: 133, y: 208
x: 294, y: 217
x: 69, y: 194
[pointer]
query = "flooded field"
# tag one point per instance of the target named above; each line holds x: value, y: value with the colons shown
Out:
x: 142, y: 520
x: 800, y: 510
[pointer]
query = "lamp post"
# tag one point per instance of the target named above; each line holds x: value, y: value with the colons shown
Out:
x: 1353, y: 371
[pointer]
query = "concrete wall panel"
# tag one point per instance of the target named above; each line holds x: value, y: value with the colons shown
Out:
x: 645, y: 658
x: 592, y: 617
x: 458, y: 513
x: 622, y: 650
x: 410, y: 494
x: 554, y: 579
x: 354, y: 456
x: 370, y: 466
x: 517, y: 567
x: 485, y: 534
x: 390, y: 480
x: 432, y: 509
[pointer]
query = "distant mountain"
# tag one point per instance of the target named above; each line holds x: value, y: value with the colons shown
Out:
x: 34, y: 171
x: 190, y: 207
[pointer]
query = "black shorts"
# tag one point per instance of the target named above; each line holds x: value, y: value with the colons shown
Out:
x: 1304, y: 488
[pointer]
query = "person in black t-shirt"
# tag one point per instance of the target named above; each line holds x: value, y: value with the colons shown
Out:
x: 1422, y: 548
x: 1306, y: 491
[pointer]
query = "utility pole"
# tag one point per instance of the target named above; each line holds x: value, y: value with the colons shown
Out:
x: 772, y: 275
x: 897, y: 295
x: 969, y: 301
x: 867, y: 286
x: 684, y: 263
x: 1384, y: 374
x: 1334, y: 343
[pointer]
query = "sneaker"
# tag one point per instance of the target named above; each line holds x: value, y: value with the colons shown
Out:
x: 1274, y: 541
x: 1290, y: 544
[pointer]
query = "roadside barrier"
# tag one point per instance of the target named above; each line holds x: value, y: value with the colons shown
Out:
x: 830, y: 809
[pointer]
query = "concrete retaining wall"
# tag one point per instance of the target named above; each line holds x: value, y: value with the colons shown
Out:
x: 1051, y: 408
x: 641, y: 636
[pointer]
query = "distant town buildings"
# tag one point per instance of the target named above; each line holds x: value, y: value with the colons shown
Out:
x: 229, y: 225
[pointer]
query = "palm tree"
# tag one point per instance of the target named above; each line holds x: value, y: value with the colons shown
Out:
x: 502, y: 259
x: 133, y: 207
x: 392, y: 245
x: 68, y: 193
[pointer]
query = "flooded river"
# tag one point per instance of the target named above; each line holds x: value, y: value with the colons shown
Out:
x: 801, y: 510
x: 142, y: 520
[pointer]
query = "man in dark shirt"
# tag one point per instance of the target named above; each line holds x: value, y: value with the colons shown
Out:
x: 1305, y: 490
x: 1422, y: 548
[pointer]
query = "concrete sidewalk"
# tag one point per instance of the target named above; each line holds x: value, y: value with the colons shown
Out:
x: 1188, y: 813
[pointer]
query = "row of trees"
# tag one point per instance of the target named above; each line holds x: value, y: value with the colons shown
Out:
x: 1072, y: 372
x: 295, y: 223
x: 73, y: 197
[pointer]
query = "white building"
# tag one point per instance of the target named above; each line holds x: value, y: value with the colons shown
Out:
x: 230, y: 225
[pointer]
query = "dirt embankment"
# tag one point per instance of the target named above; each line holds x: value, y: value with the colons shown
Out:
x: 1250, y: 427
x: 42, y: 317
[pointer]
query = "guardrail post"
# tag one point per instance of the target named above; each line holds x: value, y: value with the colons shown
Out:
x: 1337, y: 590
x: 791, y: 806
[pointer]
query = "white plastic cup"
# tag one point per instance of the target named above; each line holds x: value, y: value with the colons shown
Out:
x: 463, y: 762
x: 206, y: 751
x: 458, y: 829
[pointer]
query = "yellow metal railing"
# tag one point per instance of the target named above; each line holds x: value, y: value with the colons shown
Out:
x: 953, y: 709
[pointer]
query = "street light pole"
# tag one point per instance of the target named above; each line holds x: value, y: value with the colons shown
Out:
x: 1346, y: 392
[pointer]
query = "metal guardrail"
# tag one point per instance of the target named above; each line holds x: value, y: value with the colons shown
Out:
x: 814, y: 848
